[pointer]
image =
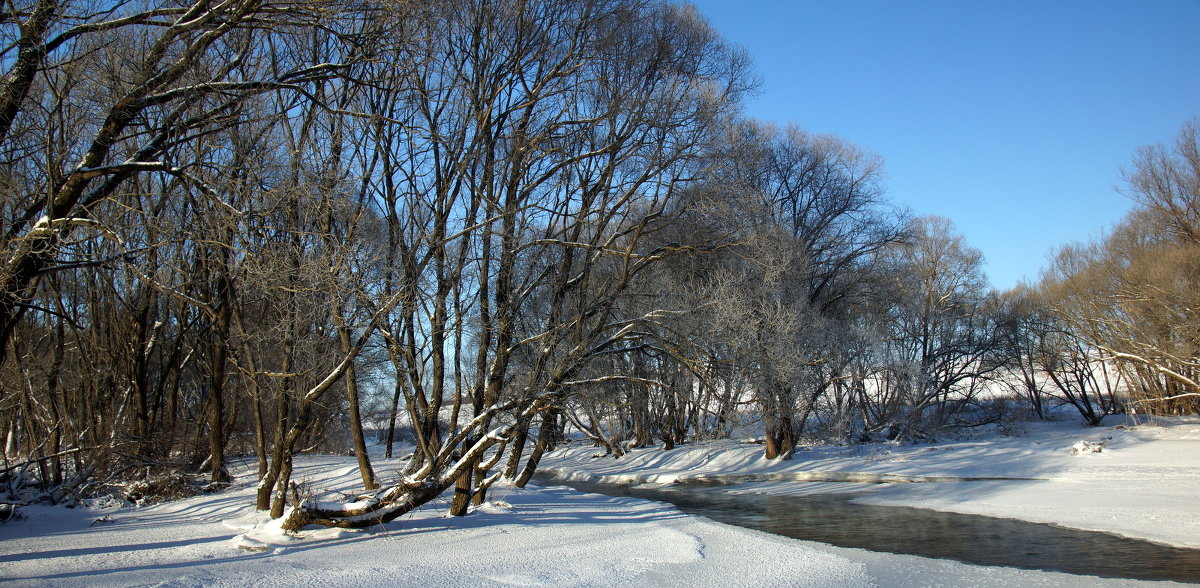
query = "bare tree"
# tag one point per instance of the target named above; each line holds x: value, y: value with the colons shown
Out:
x: 942, y: 328
x: 524, y: 218
x: 803, y: 220
x: 177, y: 86
x: 1131, y: 297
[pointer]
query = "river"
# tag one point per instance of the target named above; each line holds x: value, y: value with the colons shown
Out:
x: 837, y: 520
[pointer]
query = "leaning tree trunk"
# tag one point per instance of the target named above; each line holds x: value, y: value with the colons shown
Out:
x: 547, y: 437
x: 463, y: 487
x: 399, y: 499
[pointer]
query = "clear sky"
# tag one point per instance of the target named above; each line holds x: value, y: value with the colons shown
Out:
x: 1012, y: 118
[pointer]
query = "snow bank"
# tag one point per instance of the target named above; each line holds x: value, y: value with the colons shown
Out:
x: 1128, y: 478
x: 555, y: 536
x: 546, y: 537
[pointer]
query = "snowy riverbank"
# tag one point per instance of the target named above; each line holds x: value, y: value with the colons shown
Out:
x: 1140, y: 483
x: 554, y: 536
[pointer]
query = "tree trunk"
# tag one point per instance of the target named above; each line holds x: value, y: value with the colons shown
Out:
x: 517, y: 451
x: 278, y: 452
x: 356, y: 430
x: 547, y: 437
x: 462, y: 493
x: 216, y: 421
x: 391, y: 431
x: 281, y: 486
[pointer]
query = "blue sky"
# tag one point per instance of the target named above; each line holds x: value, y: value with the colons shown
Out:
x: 1013, y: 118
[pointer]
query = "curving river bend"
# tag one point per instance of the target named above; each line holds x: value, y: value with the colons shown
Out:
x: 835, y: 519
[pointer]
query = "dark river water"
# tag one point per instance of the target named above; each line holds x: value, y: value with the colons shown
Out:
x: 834, y: 519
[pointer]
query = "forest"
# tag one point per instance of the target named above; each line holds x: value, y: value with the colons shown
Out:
x: 258, y: 228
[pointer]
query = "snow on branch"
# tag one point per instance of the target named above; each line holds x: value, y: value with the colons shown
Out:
x: 622, y: 378
x: 1164, y: 399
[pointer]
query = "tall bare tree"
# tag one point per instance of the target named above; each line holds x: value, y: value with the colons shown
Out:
x: 542, y: 155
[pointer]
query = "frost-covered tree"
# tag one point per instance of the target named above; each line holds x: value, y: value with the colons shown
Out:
x: 941, y: 324
x: 544, y: 145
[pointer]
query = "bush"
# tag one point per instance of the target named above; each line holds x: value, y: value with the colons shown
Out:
x: 164, y: 488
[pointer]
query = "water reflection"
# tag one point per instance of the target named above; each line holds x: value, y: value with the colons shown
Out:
x: 834, y: 519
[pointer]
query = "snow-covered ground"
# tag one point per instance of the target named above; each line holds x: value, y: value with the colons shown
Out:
x: 554, y: 536
x: 1142, y: 482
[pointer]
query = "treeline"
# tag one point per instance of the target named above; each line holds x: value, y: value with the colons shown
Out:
x: 232, y: 227
x: 1129, y: 302
x: 825, y: 316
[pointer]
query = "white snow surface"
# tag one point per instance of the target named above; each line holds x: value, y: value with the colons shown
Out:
x: 555, y: 536
x: 1132, y: 477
